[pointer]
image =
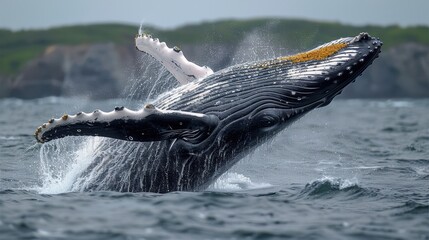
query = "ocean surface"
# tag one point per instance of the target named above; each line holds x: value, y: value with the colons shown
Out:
x: 356, y: 169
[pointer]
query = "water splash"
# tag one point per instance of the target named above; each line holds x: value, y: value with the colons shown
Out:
x: 63, y: 161
x: 231, y: 181
x: 140, y: 32
x: 255, y: 46
x: 152, y: 80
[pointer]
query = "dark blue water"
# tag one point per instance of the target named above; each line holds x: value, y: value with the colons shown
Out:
x: 357, y: 169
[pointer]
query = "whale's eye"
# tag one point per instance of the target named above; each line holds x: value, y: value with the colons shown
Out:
x: 266, y: 121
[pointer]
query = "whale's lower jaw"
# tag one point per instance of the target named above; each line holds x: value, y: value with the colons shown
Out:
x: 194, y: 133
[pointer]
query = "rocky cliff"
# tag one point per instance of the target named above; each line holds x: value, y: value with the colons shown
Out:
x: 91, y: 70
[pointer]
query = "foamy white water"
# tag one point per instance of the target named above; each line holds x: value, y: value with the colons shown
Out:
x: 63, y: 161
x: 232, y: 181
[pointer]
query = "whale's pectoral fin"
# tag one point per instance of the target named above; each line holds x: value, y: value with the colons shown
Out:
x: 148, y: 124
x: 172, y: 59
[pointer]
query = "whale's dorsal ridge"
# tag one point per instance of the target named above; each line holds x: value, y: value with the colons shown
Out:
x: 172, y: 59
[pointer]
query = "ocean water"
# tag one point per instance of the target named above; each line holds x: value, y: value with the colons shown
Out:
x: 356, y: 169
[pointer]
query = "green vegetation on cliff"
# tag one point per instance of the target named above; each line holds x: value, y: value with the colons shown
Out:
x: 17, y: 48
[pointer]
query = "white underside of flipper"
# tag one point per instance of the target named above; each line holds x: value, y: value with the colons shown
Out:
x: 120, y: 113
x: 172, y: 59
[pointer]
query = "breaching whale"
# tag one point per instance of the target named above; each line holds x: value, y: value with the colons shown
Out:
x: 189, y: 136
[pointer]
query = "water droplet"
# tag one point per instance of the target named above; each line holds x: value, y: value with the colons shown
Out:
x: 340, y: 74
x: 293, y: 93
x: 327, y: 78
x: 348, y: 68
x: 79, y: 130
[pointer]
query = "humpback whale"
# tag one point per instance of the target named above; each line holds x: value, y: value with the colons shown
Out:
x: 189, y: 136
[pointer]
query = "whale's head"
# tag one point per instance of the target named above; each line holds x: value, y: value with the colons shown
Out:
x: 257, y: 100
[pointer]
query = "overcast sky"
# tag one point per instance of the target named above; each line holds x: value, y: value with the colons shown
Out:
x: 27, y: 14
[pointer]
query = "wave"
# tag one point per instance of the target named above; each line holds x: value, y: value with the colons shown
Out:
x: 412, y: 208
x: 328, y: 187
x: 396, y: 169
x: 7, y: 138
x: 424, y: 177
x: 392, y: 104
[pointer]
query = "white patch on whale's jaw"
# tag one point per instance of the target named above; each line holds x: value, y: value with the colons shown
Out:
x: 172, y: 59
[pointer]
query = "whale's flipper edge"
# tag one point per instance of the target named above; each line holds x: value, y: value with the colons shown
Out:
x: 145, y: 125
x: 172, y: 59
